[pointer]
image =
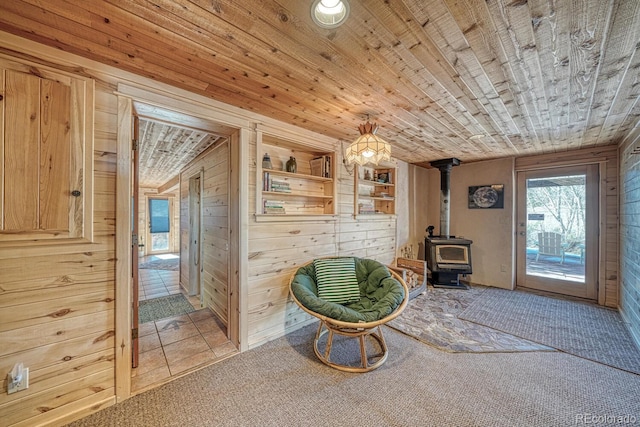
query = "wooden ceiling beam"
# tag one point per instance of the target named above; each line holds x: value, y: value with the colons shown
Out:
x: 170, y: 185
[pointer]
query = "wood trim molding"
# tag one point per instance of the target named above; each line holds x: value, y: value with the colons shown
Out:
x: 239, y: 150
x: 295, y: 135
x: 566, y: 158
x: 123, y: 250
x: 602, y: 236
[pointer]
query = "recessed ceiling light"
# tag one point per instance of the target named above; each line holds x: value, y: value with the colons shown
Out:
x: 329, y: 13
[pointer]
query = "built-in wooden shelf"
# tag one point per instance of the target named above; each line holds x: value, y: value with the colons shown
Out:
x: 310, y: 191
x: 298, y: 175
x: 374, y: 191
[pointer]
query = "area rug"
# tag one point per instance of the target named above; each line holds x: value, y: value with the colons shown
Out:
x: 160, y: 308
x: 582, y: 329
x: 162, y: 264
x: 433, y: 319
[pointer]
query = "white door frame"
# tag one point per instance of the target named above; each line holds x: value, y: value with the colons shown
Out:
x: 590, y: 288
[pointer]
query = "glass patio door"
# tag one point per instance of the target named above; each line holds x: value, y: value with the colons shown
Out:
x: 557, y: 230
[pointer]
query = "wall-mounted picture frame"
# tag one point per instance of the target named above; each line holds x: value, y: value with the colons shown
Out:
x: 486, y: 196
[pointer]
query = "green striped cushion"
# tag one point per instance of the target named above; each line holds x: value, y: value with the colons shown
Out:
x: 336, y: 280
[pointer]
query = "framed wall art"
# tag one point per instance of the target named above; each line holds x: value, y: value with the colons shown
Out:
x: 486, y: 196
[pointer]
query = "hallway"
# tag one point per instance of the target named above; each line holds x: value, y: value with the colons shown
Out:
x: 174, y: 346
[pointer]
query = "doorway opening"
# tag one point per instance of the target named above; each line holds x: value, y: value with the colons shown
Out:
x: 558, y: 230
x: 182, y: 331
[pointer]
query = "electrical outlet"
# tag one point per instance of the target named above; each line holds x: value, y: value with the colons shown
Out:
x: 23, y: 384
x: 503, y: 268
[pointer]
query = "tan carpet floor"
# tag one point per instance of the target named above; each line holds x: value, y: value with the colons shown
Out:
x: 283, y: 384
x: 577, y: 327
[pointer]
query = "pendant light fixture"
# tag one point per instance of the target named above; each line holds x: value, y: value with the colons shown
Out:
x: 369, y: 147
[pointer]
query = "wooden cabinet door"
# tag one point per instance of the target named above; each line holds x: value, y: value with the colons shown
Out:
x: 43, y: 156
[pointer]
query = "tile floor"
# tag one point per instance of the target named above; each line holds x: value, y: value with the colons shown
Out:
x: 157, y: 283
x: 171, y: 347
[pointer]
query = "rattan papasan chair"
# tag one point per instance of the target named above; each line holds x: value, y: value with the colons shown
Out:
x: 325, y: 288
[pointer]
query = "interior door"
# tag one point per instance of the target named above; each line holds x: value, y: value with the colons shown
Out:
x: 557, y: 226
x: 134, y: 245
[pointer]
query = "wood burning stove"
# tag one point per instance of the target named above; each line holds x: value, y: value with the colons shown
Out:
x: 447, y: 256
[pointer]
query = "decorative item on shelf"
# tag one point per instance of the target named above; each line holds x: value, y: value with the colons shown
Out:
x: 266, y: 161
x: 291, y: 165
x: 383, y: 177
x: 367, y: 175
x: 368, y: 148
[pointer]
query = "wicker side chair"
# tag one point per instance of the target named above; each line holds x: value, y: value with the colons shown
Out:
x: 383, y: 296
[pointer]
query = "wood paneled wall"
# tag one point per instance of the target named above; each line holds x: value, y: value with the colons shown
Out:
x: 57, y: 301
x: 277, y: 249
x: 215, y: 222
x: 630, y: 233
x: 57, y: 307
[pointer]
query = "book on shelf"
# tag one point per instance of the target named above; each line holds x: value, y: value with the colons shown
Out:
x: 321, y: 166
x: 270, y: 184
x: 327, y: 166
x: 274, y: 211
x: 317, y: 166
x: 279, y: 186
x: 273, y: 207
x: 365, y: 209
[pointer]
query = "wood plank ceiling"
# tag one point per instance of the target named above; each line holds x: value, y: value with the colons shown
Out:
x: 168, y: 141
x: 475, y: 79
x: 165, y: 149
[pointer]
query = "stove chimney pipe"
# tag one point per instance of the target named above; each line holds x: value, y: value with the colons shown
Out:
x: 445, y: 166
